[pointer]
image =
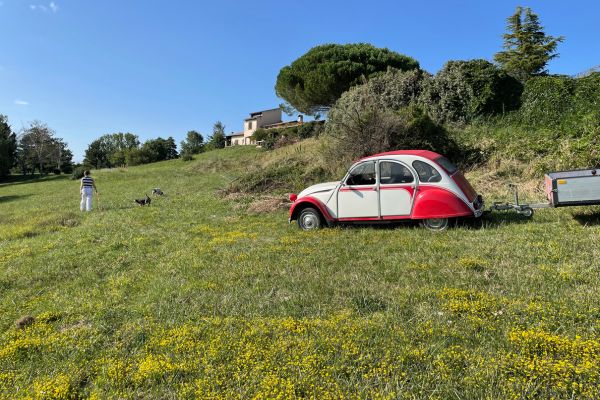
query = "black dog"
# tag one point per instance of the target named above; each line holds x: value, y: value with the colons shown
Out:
x: 143, y: 202
x: 157, y: 192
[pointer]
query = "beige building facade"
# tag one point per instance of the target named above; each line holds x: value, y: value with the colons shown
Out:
x: 266, y: 119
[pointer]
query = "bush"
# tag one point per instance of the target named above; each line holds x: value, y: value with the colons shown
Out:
x: 569, y: 107
x: 260, y: 134
x: 66, y: 168
x: 396, y: 89
x: 187, y: 156
x: 78, y: 172
x: 466, y: 90
x: 546, y: 100
x: 360, y: 125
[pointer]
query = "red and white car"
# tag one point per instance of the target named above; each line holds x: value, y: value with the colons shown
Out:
x: 397, y: 185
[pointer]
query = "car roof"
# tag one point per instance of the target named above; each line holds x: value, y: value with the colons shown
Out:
x: 430, y: 155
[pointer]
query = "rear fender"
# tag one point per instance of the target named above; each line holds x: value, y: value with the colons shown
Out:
x: 439, y: 203
x: 309, y: 201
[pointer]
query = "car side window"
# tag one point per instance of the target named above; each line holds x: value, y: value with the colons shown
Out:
x: 426, y: 172
x: 363, y: 174
x: 394, y: 173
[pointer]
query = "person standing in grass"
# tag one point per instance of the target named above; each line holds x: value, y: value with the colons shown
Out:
x: 88, y: 186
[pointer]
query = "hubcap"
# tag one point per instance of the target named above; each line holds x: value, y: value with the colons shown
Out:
x: 310, y: 221
x: 436, y: 223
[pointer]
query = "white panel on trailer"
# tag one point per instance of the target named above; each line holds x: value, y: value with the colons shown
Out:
x: 578, y: 189
x: 573, y: 188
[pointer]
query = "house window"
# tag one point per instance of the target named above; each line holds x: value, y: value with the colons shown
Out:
x: 249, y: 125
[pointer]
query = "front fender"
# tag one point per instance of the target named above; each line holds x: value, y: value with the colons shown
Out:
x: 303, y: 202
x: 439, y: 203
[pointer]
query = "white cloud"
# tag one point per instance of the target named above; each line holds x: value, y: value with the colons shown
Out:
x: 21, y: 102
x: 51, y: 7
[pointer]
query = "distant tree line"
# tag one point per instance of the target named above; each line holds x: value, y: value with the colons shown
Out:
x: 35, y: 149
x: 125, y: 149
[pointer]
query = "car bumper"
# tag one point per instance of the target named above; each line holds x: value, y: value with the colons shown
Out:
x: 478, y: 206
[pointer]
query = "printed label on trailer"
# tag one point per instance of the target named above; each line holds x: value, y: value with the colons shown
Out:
x: 562, y: 181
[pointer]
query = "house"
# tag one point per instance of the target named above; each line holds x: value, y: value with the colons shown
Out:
x: 266, y: 119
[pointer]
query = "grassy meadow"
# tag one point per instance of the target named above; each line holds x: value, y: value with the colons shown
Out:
x: 195, y: 297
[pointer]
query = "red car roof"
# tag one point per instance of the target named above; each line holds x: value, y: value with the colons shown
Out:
x: 430, y: 155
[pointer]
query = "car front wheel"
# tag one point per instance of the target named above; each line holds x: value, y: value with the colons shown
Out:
x: 435, y: 224
x: 309, y: 219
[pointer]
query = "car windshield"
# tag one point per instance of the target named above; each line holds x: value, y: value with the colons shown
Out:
x: 363, y: 174
x: 447, y: 165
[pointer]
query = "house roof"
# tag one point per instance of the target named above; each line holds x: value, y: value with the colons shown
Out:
x: 257, y: 113
x: 232, y: 134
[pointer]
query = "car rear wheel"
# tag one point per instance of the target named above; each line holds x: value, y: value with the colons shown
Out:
x: 309, y: 219
x: 435, y: 224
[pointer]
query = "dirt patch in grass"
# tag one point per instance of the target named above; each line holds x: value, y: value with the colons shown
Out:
x: 267, y: 204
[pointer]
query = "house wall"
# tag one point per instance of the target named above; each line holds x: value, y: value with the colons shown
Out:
x: 270, y: 117
x: 267, y: 118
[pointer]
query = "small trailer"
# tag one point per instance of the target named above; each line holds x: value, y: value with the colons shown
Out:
x: 573, y: 188
x: 563, y: 188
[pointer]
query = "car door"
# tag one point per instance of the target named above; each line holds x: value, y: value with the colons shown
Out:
x: 397, y: 186
x: 358, y: 196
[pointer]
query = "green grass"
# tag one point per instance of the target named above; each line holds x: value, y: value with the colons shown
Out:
x: 193, y: 297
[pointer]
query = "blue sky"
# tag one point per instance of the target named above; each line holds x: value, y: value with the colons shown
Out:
x: 161, y: 68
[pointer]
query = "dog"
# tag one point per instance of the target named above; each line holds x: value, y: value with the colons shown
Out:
x: 143, y: 202
x: 157, y: 192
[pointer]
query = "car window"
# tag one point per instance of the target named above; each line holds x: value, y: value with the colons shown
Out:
x: 394, y: 173
x: 363, y: 174
x: 426, y: 172
x: 447, y: 165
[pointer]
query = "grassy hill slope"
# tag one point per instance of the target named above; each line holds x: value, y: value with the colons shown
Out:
x: 195, y: 297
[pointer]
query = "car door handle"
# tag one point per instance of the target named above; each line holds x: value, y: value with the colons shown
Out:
x: 375, y: 189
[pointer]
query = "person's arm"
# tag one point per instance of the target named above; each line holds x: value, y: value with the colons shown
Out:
x: 81, y: 185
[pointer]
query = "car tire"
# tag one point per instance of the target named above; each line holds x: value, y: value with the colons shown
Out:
x: 435, y: 224
x: 309, y: 219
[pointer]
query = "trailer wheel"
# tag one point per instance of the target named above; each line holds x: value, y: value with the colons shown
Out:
x: 527, y: 212
x: 435, y: 224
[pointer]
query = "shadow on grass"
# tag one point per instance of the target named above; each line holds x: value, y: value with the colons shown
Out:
x: 6, y: 199
x: 493, y: 220
x: 488, y: 221
x: 22, y: 179
x: 588, y: 219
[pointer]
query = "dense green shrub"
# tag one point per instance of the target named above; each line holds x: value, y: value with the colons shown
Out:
x: 396, y: 89
x: 466, y: 90
x: 187, y: 156
x: 546, y: 100
x: 566, y: 105
x: 278, y: 137
x: 310, y: 129
x: 78, y: 172
x: 360, y: 124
